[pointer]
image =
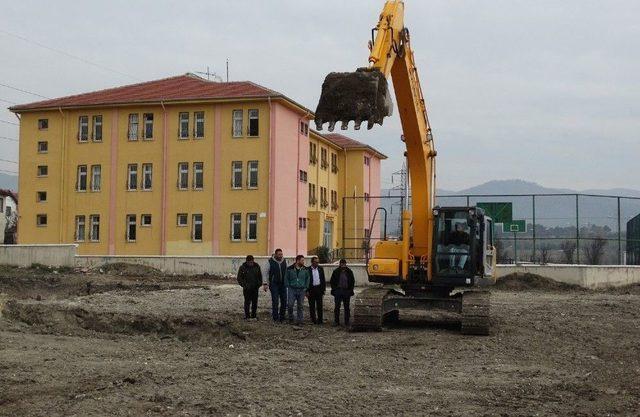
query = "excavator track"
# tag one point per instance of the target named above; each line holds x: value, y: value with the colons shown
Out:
x: 476, y: 318
x: 368, y: 312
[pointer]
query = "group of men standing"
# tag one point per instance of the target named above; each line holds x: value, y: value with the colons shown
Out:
x: 290, y: 284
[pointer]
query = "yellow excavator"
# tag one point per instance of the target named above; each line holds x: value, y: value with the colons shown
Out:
x: 445, y: 258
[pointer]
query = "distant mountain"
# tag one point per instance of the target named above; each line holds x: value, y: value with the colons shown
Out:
x: 549, y: 210
x: 9, y: 182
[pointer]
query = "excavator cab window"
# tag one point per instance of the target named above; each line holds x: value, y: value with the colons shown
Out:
x: 455, y: 234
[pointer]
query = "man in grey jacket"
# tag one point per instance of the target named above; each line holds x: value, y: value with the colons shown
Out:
x: 275, y: 273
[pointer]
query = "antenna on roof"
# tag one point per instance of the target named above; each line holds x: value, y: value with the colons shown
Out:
x: 227, y: 69
x: 211, y: 75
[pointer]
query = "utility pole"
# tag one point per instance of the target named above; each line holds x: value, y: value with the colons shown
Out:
x: 403, y: 184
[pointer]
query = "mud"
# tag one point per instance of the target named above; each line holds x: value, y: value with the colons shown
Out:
x: 526, y: 281
x: 360, y: 96
x: 187, y: 351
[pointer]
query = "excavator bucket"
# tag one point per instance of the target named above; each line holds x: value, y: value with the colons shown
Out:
x: 361, y: 96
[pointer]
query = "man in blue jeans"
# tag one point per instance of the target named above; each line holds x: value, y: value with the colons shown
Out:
x: 297, y: 282
x: 276, y: 272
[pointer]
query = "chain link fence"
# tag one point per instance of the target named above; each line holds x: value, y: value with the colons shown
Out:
x: 559, y: 228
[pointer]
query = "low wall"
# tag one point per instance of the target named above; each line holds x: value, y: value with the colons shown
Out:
x: 588, y: 276
x: 25, y: 255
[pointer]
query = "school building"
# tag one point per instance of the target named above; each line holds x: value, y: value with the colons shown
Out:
x: 187, y: 166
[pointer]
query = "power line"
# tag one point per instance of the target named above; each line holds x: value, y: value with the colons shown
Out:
x: 21, y: 90
x: 68, y: 55
x: 8, y: 160
x: 8, y: 171
x: 8, y: 138
x: 9, y: 123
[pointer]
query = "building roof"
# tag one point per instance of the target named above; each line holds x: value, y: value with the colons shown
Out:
x: 8, y: 193
x: 187, y: 87
x: 346, y: 142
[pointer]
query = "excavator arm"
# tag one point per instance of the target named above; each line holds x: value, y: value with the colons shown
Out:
x: 364, y: 96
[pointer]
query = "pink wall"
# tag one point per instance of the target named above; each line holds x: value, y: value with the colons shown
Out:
x: 287, y: 196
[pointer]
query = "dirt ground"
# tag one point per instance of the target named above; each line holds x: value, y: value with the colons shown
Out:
x: 146, y: 344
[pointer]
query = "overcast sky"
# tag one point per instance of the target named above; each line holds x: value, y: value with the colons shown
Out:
x: 545, y: 91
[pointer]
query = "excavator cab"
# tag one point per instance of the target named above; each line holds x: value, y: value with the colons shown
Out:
x: 463, y: 242
x: 464, y: 254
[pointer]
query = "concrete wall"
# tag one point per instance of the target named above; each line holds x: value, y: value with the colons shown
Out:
x: 588, y: 276
x: 25, y: 255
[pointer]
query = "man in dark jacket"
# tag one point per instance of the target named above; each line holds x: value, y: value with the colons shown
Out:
x: 342, y: 284
x: 317, y: 287
x: 275, y: 274
x: 250, y: 279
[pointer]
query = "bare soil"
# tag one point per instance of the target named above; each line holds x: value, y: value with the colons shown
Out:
x: 160, y: 345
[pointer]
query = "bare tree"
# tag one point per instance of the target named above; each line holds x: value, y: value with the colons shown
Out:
x: 568, y: 248
x: 594, y: 251
x: 545, y: 255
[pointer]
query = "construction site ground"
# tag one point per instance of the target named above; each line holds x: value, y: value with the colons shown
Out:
x: 135, y: 342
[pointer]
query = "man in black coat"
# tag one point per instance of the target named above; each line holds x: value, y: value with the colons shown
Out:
x: 317, y: 287
x: 342, y: 284
x: 250, y: 279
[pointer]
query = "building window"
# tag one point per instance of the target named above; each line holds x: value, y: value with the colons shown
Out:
x: 7, y: 211
x: 41, y: 220
x: 183, y: 129
x: 80, y: 228
x: 303, y: 176
x: 83, y: 129
x: 367, y: 160
x: 313, y: 153
x: 133, y: 127
x: 41, y: 197
x: 182, y: 219
x: 196, y: 232
x: 81, y: 181
x: 237, y: 124
x: 324, y: 203
x: 97, y: 128
x: 96, y: 177
x: 183, y: 175
x: 147, y: 176
x: 145, y: 220
x: 252, y: 180
x: 147, y: 119
x: 312, y: 194
x: 253, y: 123
x: 132, y: 177
x: 131, y: 227
x: 334, y: 200
x: 323, y: 158
x: 1, y: 204
x: 334, y: 162
x: 252, y: 226
x: 43, y: 146
x: 304, y: 128
x: 199, y: 122
x: 366, y: 197
x: 198, y: 175
x: 43, y: 124
x: 43, y: 170
x: 236, y: 227
x: 236, y: 175
x: 302, y: 223
x: 94, y: 233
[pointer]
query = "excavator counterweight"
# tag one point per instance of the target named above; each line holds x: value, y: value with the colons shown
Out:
x: 361, y: 96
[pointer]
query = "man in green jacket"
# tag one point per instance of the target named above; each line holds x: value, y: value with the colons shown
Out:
x: 296, y: 281
x: 250, y: 279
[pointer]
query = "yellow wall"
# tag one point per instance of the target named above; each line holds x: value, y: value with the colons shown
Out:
x: 324, y: 177
x: 64, y: 203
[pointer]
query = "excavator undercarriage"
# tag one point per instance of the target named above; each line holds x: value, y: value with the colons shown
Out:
x: 375, y: 306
